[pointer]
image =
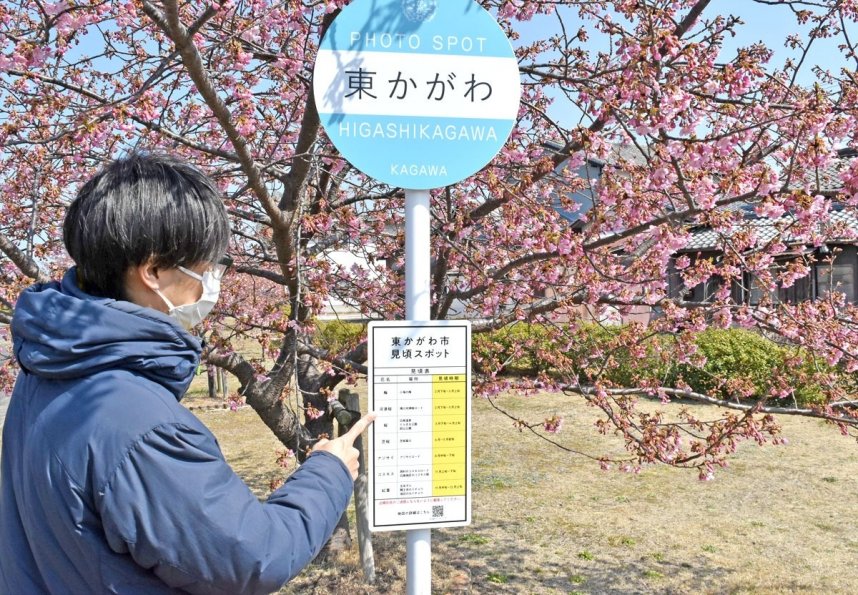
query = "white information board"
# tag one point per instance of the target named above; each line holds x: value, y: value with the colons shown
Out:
x: 420, y: 443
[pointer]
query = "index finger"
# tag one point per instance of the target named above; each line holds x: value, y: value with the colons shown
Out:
x: 359, y: 426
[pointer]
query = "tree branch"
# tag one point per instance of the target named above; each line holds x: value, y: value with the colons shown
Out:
x: 193, y: 62
x: 25, y: 263
x: 757, y: 407
x: 343, y: 362
x: 257, y: 272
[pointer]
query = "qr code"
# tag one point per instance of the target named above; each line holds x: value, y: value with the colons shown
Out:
x: 437, y: 512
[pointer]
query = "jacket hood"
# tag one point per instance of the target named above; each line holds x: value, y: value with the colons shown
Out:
x: 59, y: 332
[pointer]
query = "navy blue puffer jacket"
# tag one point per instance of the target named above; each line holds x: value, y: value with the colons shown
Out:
x: 109, y: 485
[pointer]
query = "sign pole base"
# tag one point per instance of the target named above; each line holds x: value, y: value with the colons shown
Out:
x: 418, y: 560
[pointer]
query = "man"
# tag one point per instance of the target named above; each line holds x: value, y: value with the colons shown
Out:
x: 108, y: 484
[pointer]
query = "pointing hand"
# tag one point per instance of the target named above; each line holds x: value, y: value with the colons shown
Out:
x: 343, y: 448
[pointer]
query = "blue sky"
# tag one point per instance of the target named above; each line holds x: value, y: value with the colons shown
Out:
x: 766, y: 23
x: 772, y: 24
x: 761, y: 23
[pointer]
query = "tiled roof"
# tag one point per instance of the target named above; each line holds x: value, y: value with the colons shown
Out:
x: 826, y: 181
x: 704, y: 238
x: 619, y: 153
x: 628, y: 153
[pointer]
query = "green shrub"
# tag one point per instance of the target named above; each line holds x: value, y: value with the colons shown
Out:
x: 633, y: 358
x: 521, y: 348
x: 739, y: 363
x: 744, y: 364
x: 530, y: 349
x: 809, y: 375
x: 336, y: 336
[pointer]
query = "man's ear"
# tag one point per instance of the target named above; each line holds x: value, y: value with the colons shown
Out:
x: 144, y: 283
x: 145, y: 275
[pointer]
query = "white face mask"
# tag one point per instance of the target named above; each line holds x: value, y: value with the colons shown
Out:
x: 190, y: 315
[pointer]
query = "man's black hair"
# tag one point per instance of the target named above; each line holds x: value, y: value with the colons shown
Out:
x: 142, y: 206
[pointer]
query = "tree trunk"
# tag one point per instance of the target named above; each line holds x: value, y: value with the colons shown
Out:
x: 211, y: 375
x: 224, y: 383
x: 341, y: 539
x: 364, y: 537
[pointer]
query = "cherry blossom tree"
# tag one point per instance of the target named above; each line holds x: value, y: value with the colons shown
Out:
x: 686, y: 130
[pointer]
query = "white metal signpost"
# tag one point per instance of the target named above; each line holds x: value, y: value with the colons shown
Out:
x: 418, y: 94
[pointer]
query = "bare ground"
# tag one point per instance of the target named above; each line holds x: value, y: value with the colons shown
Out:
x: 776, y: 521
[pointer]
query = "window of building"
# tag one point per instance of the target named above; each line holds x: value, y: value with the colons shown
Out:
x: 700, y: 293
x: 758, y: 291
x: 799, y: 291
x: 836, y: 277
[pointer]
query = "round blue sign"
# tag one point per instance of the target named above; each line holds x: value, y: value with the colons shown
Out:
x: 418, y: 94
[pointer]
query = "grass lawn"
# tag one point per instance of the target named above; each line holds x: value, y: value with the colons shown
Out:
x: 775, y: 521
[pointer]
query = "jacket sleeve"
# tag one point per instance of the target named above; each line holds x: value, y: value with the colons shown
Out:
x: 177, y: 508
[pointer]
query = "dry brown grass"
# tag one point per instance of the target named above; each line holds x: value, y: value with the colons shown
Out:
x: 776, y: 521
